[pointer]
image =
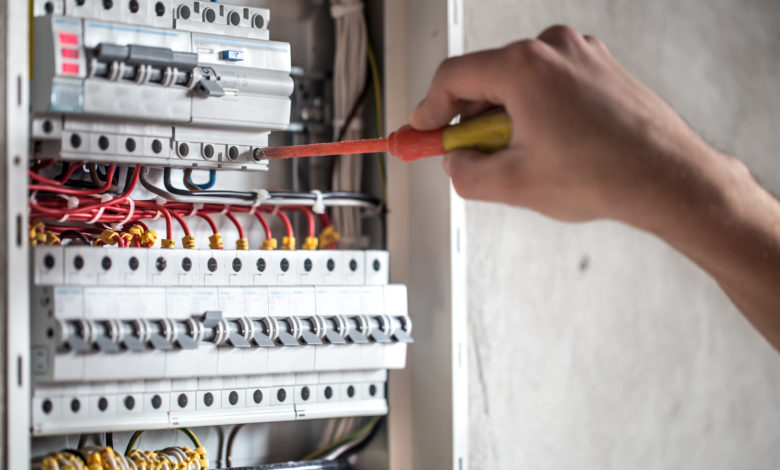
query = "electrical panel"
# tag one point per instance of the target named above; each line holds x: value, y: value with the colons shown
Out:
x: 132, y: 330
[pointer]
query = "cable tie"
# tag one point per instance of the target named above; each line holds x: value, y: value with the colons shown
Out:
x: 33, y: 198
x: 103, y: 199
x: 117, y: 227
x: 73, y: 201
x: 261, y: 195
x: 225, y: 209
x: 196, y: 206
x: 275, y: 211
x: 64, y: 218
x: 337, y: 11
x: 160, y: 201
x: 157, y: 215
x: 319, y: 203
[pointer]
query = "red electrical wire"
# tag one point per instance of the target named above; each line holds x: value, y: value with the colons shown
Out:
x: 122, y: 197
x: 235, y: 221
x: 41, y: 164
x: 286, y: 221
x: 181, y: 222
x: 68, y: 173
x: 168, y: 223
x: 77, y: 192
x: 209, y: 220
x: 265, y: 225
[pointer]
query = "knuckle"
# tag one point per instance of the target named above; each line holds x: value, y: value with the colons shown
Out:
x: 561, y: 32
x: 527, y: 51
x: 595, y: 42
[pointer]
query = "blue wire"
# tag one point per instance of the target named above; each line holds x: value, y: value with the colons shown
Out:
x: 208, y: 185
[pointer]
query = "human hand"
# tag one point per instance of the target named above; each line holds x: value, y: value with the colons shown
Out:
x: 588, y: 140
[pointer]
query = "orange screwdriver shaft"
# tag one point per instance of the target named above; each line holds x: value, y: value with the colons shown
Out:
x: 405, y: 143
x: 487, y: 133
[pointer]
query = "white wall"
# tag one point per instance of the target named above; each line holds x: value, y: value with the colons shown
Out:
x: 594, y: 345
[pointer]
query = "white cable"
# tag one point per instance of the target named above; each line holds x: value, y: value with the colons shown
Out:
x: 349, y: 75
x: 118, y: 226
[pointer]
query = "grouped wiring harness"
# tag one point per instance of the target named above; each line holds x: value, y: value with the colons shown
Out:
x: 106, y: 458
x: 102, y: 212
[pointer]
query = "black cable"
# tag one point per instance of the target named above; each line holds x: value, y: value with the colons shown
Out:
x: 339, y: 464
x: 82, y: 441
x: 110, y: 439
x: 327, y: 195
x: 76, y: 453
x: 353, y: 112
x: 220, y: 445
x: 250, y: 196
x: 75, y: 235
x: 231, y: 439
x: 245, y: 195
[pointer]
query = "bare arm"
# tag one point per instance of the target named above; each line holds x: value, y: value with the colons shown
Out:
x: 591, y: 142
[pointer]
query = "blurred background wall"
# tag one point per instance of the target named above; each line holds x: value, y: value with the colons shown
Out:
x: 597, y: 346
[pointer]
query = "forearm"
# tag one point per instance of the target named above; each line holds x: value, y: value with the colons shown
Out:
x: 730, y: 226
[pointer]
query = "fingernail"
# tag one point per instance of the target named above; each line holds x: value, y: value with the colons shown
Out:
x: 445, y: 164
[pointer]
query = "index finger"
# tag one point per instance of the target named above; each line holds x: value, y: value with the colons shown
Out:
x: 477, y: 77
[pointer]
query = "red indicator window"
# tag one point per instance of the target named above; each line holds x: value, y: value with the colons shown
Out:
x: 69, y: 39
x: 70, y: 69
x: 70, y: 53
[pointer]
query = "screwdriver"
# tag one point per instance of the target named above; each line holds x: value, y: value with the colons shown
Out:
x: 487, y: 133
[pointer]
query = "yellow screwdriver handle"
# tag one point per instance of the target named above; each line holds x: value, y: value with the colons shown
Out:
x: 487, y: 133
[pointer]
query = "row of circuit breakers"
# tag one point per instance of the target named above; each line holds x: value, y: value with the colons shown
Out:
x: 183, y: 83
x: 131, y: 338
x: 192, y: 337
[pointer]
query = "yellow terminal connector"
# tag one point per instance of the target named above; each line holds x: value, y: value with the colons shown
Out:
x: 288, y: 243
x: 329, y: 236
x: 127, y: 236
x: 52, y: 238
x: 310, y: 243
x: 107, y: 237
x: 188, y: 242
x: 149, y: 237
x: 37, y: 234
x: 269, y: 244
x: 167, y: 243
x: 242, y: 244
x: 215, y: 241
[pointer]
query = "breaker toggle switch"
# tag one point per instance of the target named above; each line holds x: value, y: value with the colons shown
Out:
x: 206, y: 84
x: 286, y: 335
x: 135, y: 334
x: 238, y: 333
x: 378, y: 328
x: 161, y: 334
x: 354, y: 332
x: 262, y: 333
x: 402, y: 329
x: 107, y: 335
x: 333, y: 329
x: 77, y: 335
x: 188, y: 334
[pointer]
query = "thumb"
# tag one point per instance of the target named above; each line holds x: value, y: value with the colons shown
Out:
x: 483, y: 176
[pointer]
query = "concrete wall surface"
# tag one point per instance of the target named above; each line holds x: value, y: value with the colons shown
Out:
x: 594, y: 346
